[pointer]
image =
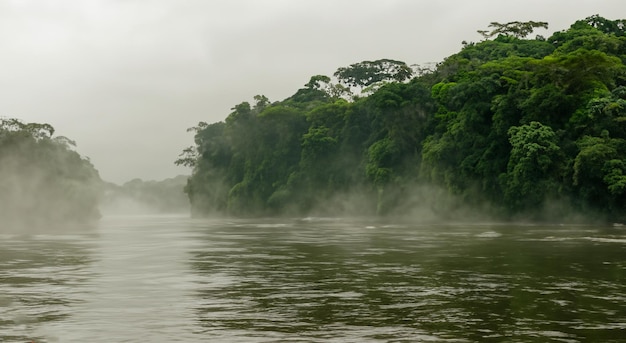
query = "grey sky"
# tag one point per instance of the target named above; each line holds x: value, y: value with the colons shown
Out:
x: 125, y: 78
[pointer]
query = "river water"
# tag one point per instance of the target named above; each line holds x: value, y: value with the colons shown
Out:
x: 175, y: 279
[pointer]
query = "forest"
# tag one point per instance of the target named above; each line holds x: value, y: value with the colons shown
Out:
x: 44, y: 182
x: 511, y: 127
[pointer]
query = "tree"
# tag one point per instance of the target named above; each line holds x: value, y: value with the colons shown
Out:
x: 314, y: 91
x: 383, y: 155
x: 367, y: 73
x: 515, y: 28
x: 600, y: 174
x: 533, y: 166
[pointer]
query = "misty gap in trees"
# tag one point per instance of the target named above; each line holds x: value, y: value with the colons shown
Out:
x: 510, y: 127
x: 516, y: 128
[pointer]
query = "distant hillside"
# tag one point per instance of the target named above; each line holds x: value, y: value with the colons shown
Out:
x: 143, y: 197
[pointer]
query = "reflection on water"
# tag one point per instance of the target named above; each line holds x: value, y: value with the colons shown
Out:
x: 41, y: 277
x: 144, y: 279
x: 349, y: 282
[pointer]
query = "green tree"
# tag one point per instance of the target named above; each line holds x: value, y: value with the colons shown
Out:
x: 532, y: 172
x: 515, y: 28
x: 367, y: 73
x: 600, y: 174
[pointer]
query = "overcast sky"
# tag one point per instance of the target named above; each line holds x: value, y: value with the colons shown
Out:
x: 126, y: 78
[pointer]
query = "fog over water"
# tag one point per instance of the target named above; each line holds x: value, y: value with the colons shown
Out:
x: 126, y: 78
x: 123, y: 261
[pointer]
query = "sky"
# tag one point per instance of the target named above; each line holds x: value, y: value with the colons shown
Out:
x: 126, y: 78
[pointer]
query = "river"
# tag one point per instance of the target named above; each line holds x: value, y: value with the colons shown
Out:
x: 175, y: 279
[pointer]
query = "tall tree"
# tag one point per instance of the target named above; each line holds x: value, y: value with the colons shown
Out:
x: 367, y: 73
x: 518, y: 29
x: 533, y: 166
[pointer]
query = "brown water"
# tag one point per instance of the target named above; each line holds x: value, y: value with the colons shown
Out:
x: 173, y: 279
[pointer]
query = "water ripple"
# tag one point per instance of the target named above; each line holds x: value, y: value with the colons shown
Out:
x: 314, y: 280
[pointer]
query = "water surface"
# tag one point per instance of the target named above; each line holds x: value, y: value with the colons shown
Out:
x: 174, y: 279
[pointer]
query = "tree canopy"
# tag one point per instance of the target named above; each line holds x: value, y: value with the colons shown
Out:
x: 43, y: 181
x: 516, y: 29
x: 367, y: 73
x: 524, y: 128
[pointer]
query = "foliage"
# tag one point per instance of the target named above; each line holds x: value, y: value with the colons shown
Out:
x: 532, y: 167
x: 43, y: 181
x: 515, y: 28
x: 511, y: 124
x: 367, y: 73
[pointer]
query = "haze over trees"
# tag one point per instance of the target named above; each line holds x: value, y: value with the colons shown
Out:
x: 521, y: 128
x: 46, y: 185
x: 43, y: 182
x: 144, y: 197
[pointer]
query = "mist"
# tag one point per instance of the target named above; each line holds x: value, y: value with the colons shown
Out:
x: 126, y: 78
x: 279, y: 170
x: 294, y: 149
x: 146, y: 197
x: 44, y: 184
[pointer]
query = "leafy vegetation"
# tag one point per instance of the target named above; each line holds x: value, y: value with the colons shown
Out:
x: 43, y: 181
x: 525, y: 128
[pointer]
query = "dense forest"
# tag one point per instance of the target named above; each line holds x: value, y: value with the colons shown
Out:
x: 44, y: 183
x: 514, y: 127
